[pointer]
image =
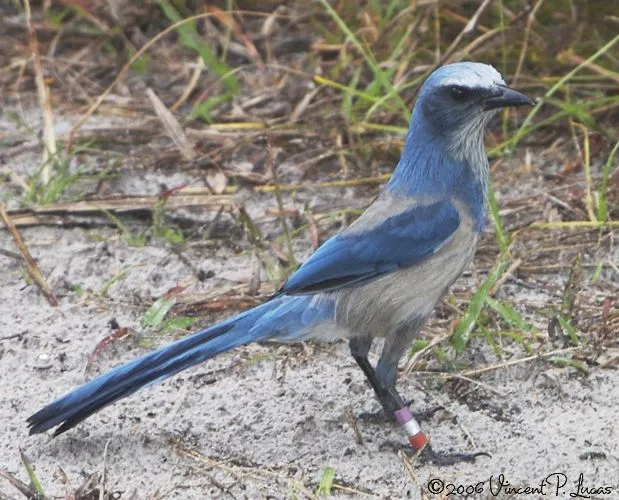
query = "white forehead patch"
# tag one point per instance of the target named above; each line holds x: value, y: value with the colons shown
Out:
x: 469, y: 74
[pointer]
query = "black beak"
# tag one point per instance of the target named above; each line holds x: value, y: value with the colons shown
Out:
x: 502, y: 97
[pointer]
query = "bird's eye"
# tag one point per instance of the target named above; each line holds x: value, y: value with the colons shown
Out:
x: 458, y: 93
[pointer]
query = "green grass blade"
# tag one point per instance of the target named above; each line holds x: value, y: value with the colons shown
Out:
x: 381, y: 127
x: 417, y: 345
x: 191, y: 39
x: 592, y: 104
x: 381, y: 103
x: 510, y: 315
x: 602, y: 202
x: 32, y: 475
x: 466, y: 325
x: 347, y: 100
x: 157, y: 312
x: 182, y: 323
x: 562, y: 81
x: 326, y: 481
x: 108, y: 284
x: 563, y: 361
x: 502, y: 238
x: 369, y: 58
x: 348, y: 89
x: 568, y: 328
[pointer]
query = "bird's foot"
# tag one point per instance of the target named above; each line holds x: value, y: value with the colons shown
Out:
x: 394, y: 446
x: 383, y: 415
x: 425, y: 415
x: 428, y: 455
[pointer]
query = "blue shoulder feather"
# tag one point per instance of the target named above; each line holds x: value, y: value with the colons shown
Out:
x: 351, y: 258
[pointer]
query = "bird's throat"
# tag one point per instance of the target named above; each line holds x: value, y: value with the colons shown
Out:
x: 432, y: 169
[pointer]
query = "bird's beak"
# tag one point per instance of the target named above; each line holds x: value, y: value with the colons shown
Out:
x: 502, y: 97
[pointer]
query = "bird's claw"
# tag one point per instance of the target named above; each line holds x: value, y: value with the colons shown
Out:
x: 425, y: 415
x: 428, y: 455
x: 394, y: 446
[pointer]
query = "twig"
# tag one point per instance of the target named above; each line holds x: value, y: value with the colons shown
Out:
x: 103, y: 479
x: 12, y: 336
x: 9, y: 254
x: 553, y: 267
x: 513, y: 362
x: 575, y: 224
x: 172, y: 127
x: 408, y: 465
x: 225, y: 18
x: 508, y: 272
x: 129, y: 204
x: 466, y: 31
x: 30, y: 263
x: 613, y: 265
x: 481, y: 384
x: 280, y: 202
x: 586, y: 163
x: 49, y: 138
x: 561, y: 203
x: 193, y: 82
x: 273, y: 474
x: 525, y: 40
x: 362, y: 181
x: 487, y: 36
x: 23, y: 488
x: 596, y: 68
x: 352, y: 421
x: 91, y: 110
x: 412, y: 361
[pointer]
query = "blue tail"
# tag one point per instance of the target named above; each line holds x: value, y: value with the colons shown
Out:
x: 286, y: 318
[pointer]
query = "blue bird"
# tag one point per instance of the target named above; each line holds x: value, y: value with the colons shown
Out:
x: 380, y: 277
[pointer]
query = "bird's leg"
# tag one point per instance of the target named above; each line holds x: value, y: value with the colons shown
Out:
x: 389, y: 398
x: 382, y: 416
x: 382, y: 381
x: 387, y: 394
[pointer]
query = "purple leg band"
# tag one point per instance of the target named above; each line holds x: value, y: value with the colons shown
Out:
x: 403, y: 415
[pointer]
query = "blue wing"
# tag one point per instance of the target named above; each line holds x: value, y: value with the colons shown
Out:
x: 353, y: 257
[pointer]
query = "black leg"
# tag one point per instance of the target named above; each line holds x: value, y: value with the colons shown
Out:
x: 388, y: 397
x: 393, y: 404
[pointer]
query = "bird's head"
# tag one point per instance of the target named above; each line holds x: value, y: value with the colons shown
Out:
x: 445, y: 142
x: 455, y: 104
x: 458, y: 94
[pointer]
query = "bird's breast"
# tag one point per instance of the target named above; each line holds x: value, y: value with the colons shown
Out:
x: 408, y: 294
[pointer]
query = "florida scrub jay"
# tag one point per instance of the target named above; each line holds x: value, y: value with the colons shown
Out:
x: 380, y: 277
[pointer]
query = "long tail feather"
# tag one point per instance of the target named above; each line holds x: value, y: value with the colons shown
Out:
x: 79, y: 404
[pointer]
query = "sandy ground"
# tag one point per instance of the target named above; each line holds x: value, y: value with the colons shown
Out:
x: 264, y: 421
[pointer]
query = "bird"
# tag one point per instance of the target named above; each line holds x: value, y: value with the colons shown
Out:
x: 381, y: 277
